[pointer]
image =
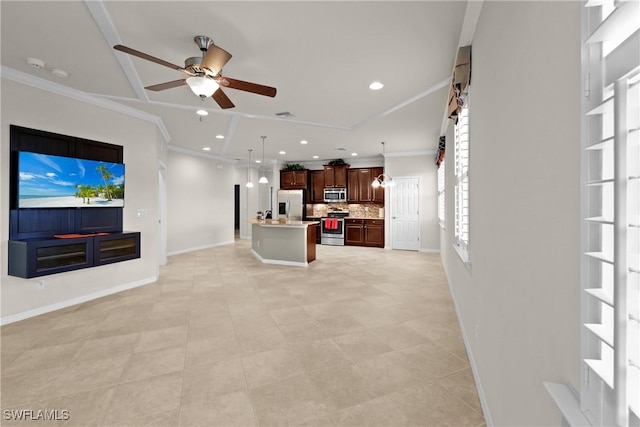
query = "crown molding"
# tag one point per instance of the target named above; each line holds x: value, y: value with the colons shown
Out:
x: 199, y: 154
x: 411, y: 153
x: 78, y: 95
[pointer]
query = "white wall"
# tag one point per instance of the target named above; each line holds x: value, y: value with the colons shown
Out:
x: 200, y: 199
x: 519, y: 301
x: 424, y: 168
x: 35, y: 108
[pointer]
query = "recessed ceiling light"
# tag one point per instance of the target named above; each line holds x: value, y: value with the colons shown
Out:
x: 316, y: 157
x: 220, y: 136
x: 202, y: 112
x: 206, y: 148
x: 283, y: 152
x: 354, y: 154
x: 304, y: 141
x: 376, y: 86
x: 258, y: 161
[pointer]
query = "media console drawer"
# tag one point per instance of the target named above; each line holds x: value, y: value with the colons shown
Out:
x: 40, y: 257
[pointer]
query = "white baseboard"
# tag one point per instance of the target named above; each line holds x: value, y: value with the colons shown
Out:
x: 74, y: 301
x: 198, y: 248
x: 472, y: 361
x: 430, y: 250
x: 278, y: 262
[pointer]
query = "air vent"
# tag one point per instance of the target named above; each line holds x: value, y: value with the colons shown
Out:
x: 284, y: 114
x: 340, y: 149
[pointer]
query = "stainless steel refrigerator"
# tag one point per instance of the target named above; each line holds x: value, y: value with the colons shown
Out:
x: 291, y: 204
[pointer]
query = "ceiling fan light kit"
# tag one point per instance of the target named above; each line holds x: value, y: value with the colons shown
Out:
x: 204, y: 77
x: 202, y: 86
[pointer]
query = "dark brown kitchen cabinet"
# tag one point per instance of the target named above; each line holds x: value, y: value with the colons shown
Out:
x: 353, y: 232
x: 377, y: 194
x: 359, y: 188
x: 335, y: 176
x: 353, y: 186
x: 364, y: 185
x: 374, y: 233
x: 317, y: 186
x: 364, y: 232
x: 293, y: 180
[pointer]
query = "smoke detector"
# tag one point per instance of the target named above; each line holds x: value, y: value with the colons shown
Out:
x: 59, y: 72
x: 35, y: 62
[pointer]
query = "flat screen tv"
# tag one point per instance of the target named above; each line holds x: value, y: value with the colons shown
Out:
x: 46, y: 181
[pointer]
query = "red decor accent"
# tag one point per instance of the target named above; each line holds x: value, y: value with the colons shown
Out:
x: 75, y: 236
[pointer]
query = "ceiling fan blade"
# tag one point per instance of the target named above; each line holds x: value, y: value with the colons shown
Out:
x: 215, y: 59
x: 248, y: 87
x: 167, y: 85
x: 222, y: 99
x: 143, y: 55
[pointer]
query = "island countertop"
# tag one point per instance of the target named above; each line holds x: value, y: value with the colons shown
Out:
x: 284, y: 223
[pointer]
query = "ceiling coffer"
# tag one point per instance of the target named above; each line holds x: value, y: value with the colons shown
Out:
x: 203, y: 72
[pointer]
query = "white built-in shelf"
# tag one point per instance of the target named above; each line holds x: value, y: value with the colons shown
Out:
x: 603, y: 370
x: 600, y: 256
x: 605, y: 334
x: 601, y: 295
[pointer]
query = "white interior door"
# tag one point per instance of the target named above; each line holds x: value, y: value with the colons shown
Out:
x: 405, y: 215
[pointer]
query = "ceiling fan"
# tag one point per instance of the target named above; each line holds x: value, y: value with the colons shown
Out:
x: 204, y: 73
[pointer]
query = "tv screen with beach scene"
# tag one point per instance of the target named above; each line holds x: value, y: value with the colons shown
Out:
x: 46, y: 181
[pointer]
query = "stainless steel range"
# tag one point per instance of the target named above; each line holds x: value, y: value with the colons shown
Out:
x: 332, y: 228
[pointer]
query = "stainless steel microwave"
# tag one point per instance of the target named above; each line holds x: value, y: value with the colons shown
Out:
x: 335, y: 195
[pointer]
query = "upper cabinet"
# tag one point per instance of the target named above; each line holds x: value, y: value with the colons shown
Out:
x: 360, y: 189
x: 335, y: 176
x: 317, y: 186
x: 294, y: 180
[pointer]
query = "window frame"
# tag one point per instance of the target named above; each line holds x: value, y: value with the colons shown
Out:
x: 611, y: 376
x: 462, y: 181
x: 442, y: 208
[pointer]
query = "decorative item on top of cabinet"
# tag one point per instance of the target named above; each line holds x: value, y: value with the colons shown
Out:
x: 335, y: 174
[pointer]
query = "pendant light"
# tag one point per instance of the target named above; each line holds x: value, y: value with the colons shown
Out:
x: 382, y: 180
x: 263, y: 179
x: 249, y: 183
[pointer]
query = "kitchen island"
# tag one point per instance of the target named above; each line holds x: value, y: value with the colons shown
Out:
x: 284, y: 242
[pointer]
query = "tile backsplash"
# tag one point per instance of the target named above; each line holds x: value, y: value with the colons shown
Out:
x: 363, y: 210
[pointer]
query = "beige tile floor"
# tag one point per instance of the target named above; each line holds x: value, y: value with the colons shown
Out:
x: 363, y: 337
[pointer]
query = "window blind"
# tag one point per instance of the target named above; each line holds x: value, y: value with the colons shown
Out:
x: 610, y: 392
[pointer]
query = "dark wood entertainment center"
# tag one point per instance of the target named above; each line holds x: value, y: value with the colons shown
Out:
x: 33, y: 248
